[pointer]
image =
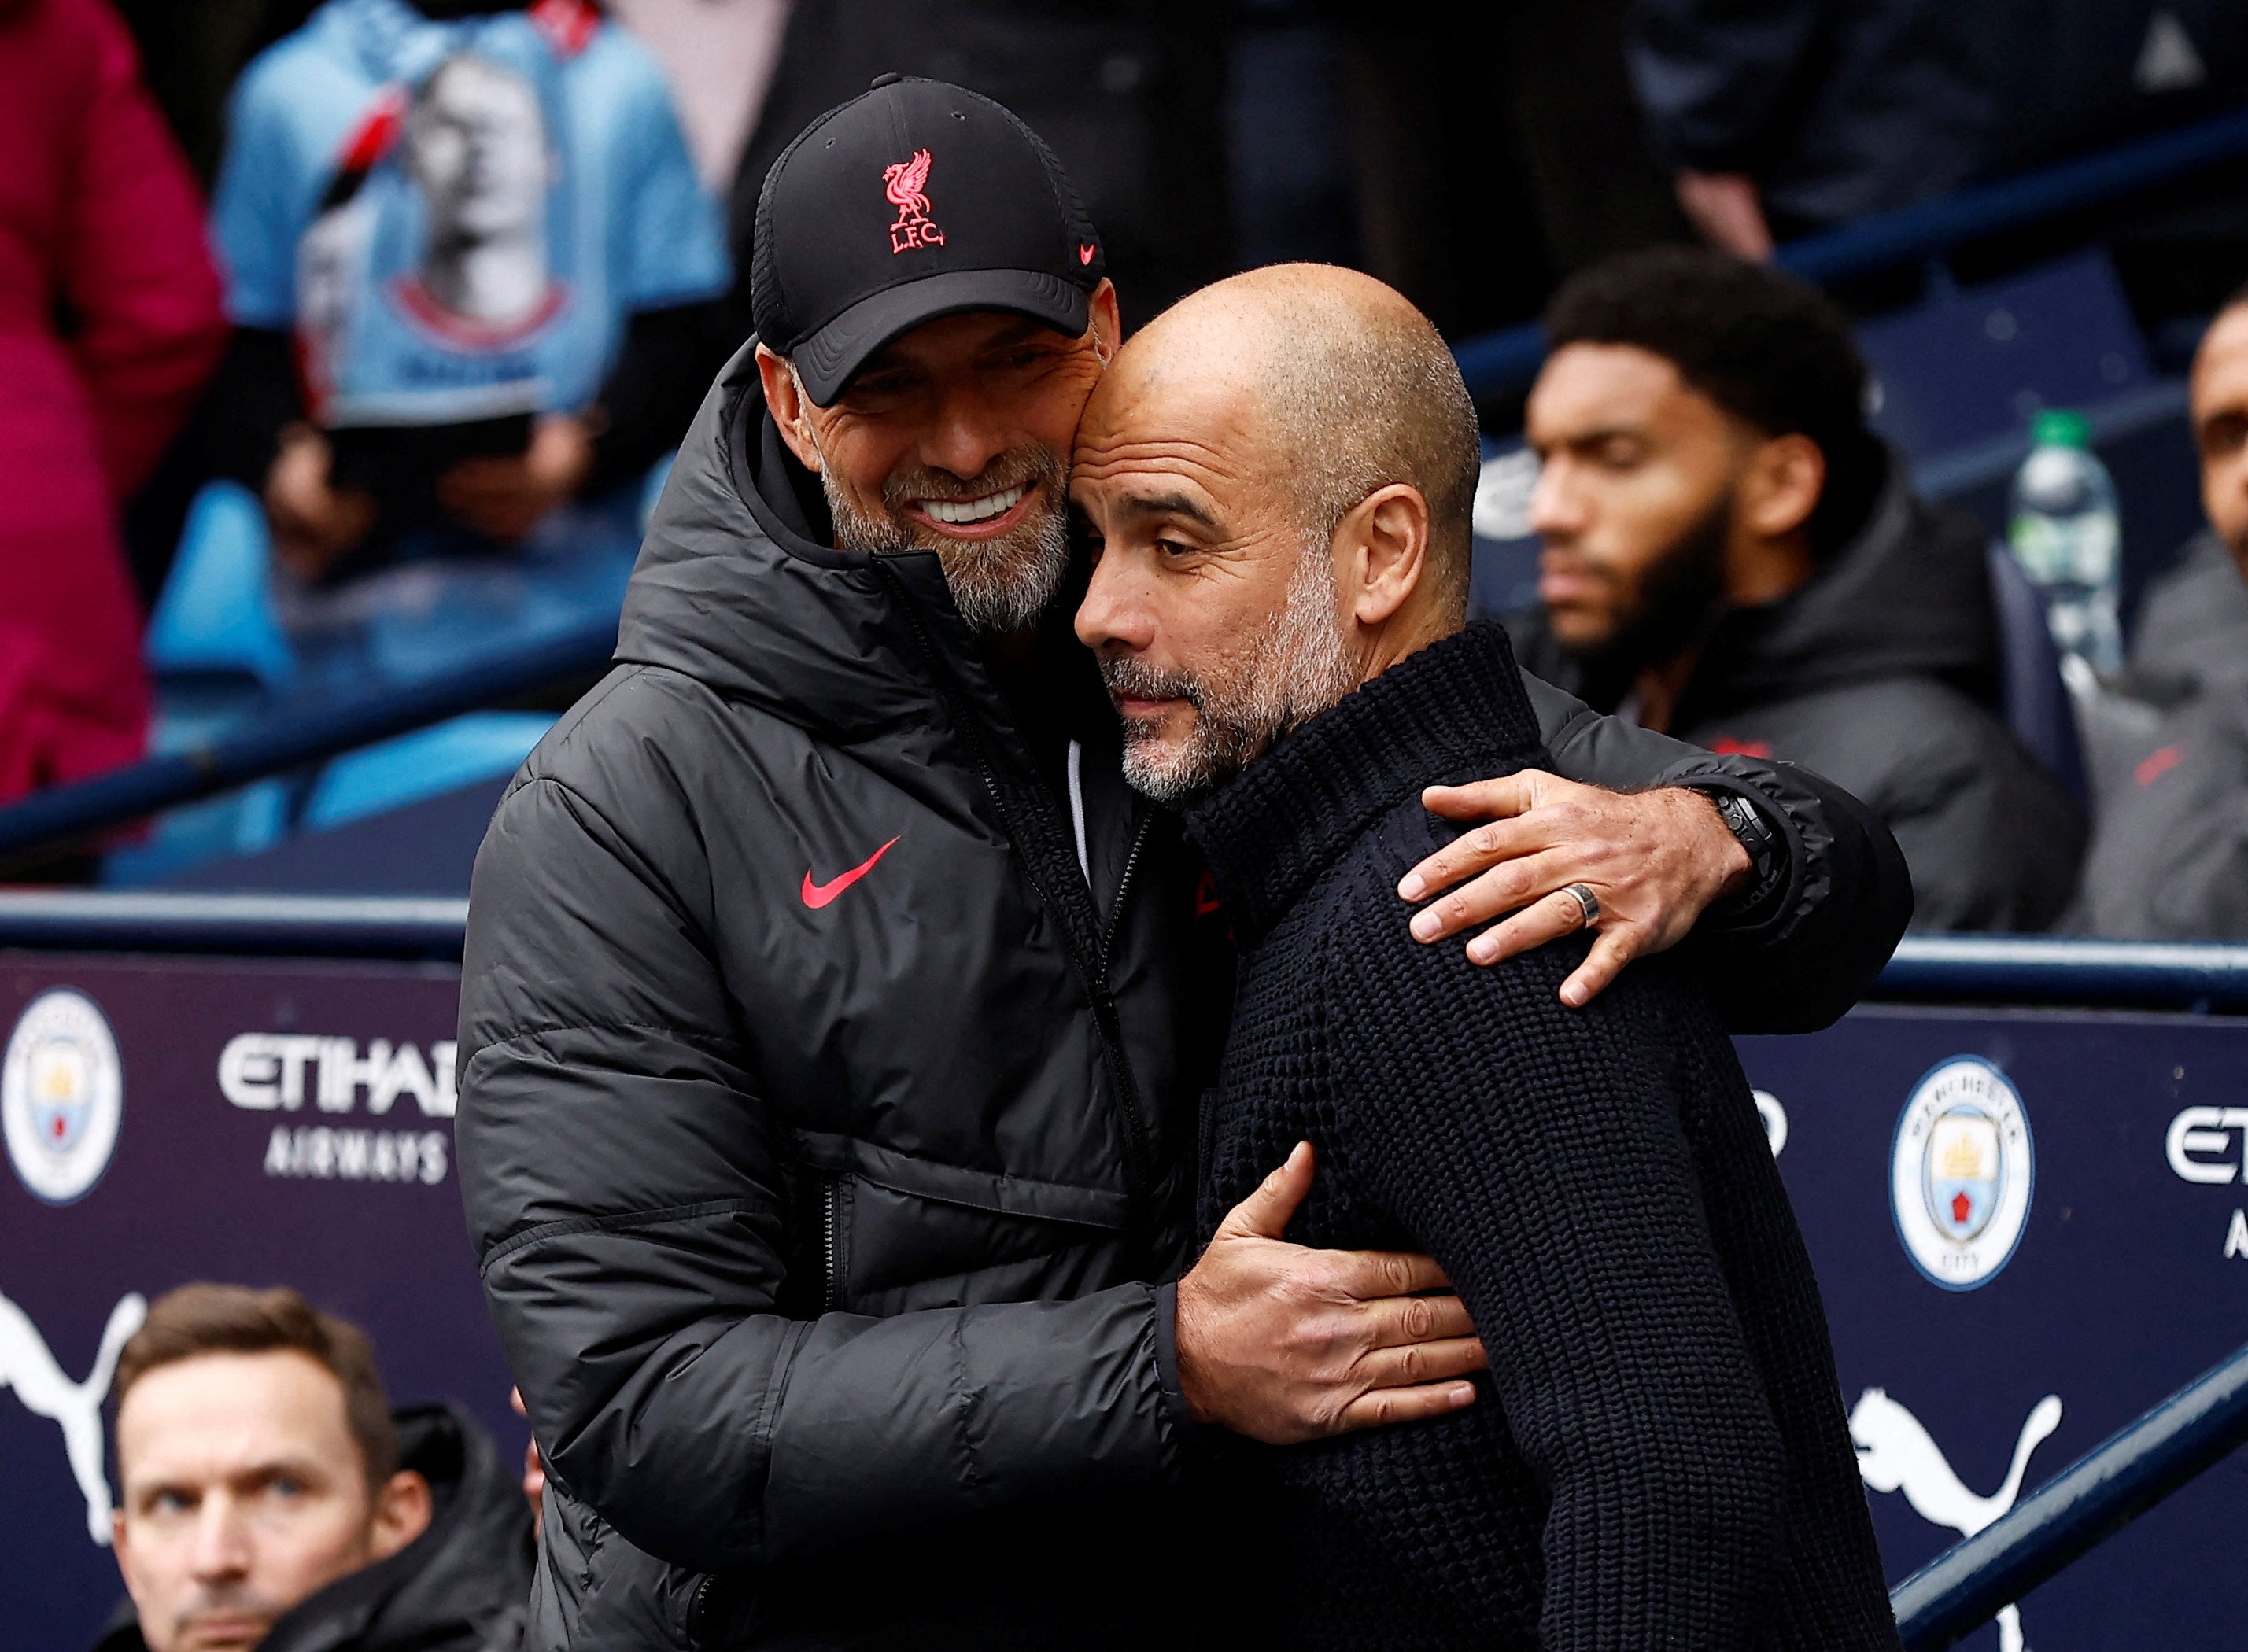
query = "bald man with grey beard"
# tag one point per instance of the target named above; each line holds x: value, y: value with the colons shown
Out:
x: 1276, y: 477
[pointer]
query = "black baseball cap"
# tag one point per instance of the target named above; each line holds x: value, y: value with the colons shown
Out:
x: 915, y: 200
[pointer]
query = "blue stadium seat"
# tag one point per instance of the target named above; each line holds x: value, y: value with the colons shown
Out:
x: 216, y: 615
x: 2036, y: 702
x: 423, y: 765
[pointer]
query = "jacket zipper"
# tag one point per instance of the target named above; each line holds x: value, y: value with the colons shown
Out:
x: 698, y: 1609
x: 1124, y: 891
x: 1139, y: 1179
x: 833, y: 1191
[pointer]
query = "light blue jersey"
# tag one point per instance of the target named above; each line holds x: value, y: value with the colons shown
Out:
x: 456, y: 219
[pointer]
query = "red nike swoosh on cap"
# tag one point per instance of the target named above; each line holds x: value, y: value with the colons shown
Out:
x: 817, y: 896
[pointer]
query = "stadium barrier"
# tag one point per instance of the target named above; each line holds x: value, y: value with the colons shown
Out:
x: 261, y: 1088
x: 2193, y: 1431
x: 64, y: 815
x: 1505, y: 362
x: 2002, y: 970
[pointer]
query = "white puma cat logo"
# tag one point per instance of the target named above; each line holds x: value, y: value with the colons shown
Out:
x: 1894, y: 1453
x: 27, y: 1366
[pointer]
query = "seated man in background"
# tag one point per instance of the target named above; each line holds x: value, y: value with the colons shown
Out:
x: 472, y: 273
x: 1733, y: 558
x: 271, y: 1498
x: 2170, y: 851
x: 1277, y: 477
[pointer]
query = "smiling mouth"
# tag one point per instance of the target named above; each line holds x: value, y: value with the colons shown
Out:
x: 968, y: 513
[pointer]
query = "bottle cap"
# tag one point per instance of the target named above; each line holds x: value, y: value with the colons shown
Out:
x: 2060, y: 428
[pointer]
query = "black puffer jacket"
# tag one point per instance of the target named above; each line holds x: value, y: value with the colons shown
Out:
x: 1881, y: 675
x: 828, y: 1058
x: 459, y: 1587
x: 2170, y: 850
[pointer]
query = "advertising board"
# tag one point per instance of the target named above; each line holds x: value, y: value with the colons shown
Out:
x: 2028, y: 1226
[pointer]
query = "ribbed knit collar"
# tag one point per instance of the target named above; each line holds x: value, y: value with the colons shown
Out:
x: 1456, y: 707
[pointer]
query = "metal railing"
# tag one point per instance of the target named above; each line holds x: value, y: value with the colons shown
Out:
x: 1495, y: 364
x: 341, y: 926
x: 1950, y: 969
x: 68, y: 814
x: 2096, y: 1496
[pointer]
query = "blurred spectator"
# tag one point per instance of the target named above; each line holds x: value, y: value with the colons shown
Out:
x: 1127, y: 92
x: 1493, y: 151
x: 720, y: 56
x: 1786, y: 116
x: 191, y: 50
x: 2169, y: 853
x: 472, y: 274
x: 270, y: 1497
x: 1731, y: 556
x: 109, y: 324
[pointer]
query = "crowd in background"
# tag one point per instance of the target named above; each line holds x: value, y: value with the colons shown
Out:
x: 439, y: 282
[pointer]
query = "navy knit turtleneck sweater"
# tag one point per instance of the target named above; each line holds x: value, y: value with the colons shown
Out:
x: 1658, y: 1459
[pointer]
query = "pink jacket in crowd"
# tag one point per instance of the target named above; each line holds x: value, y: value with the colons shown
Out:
x: 110, y: 321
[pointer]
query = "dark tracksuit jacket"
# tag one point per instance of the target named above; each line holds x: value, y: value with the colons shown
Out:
x: 1657, y: 1457
x: 2169, y: 859
x: 832, y: 1018
x: 1880, y: 673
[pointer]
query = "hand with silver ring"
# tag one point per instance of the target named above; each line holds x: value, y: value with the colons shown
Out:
x: 1546, y: 857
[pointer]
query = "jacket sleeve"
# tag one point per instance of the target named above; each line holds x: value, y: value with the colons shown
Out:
x: 137, y: 279
x: 1795, y: 958
x: 625, y: 1197
x: 1538, y: 1155
x: 1715, y: 78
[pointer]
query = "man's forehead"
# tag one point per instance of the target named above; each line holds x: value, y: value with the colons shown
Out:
x: 1593, y: 392
x: 2220, y: 370
x: 226, y: 1413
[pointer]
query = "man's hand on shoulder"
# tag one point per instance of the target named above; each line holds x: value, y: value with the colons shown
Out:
x: 1654, y: 861
x: 1284, y: 1343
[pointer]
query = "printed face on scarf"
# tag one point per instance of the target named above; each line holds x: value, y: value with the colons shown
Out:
x: 477, y: 145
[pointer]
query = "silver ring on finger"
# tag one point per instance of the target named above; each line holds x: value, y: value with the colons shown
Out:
x: 1587, y: 902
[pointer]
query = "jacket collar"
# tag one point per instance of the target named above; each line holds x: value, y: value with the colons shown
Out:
x: 1455, y: 710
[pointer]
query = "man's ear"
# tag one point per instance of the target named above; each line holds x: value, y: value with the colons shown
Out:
x: 1382, y: 553
x: 1782, y: 485
x: 1108, y: 322
x: 790, y: 413
x: 402, y: 1509
x: 119, y: 1546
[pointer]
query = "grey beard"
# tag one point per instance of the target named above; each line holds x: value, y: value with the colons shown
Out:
x: 1297, y: 668
x: 999, y: 585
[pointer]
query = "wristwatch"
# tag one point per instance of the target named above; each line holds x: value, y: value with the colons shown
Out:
x: 1755, y: 835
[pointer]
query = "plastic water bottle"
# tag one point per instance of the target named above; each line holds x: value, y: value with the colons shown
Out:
x: 2067, y: 537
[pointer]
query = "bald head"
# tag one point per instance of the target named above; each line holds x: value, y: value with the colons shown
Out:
x: 1341, y: 387
x: 1278, y: 476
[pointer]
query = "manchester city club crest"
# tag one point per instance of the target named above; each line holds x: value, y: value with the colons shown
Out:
x: 1960, y: 1173
x: 62, y: 1096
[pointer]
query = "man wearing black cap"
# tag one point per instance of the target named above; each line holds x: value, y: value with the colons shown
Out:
x: 833, y: 1013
